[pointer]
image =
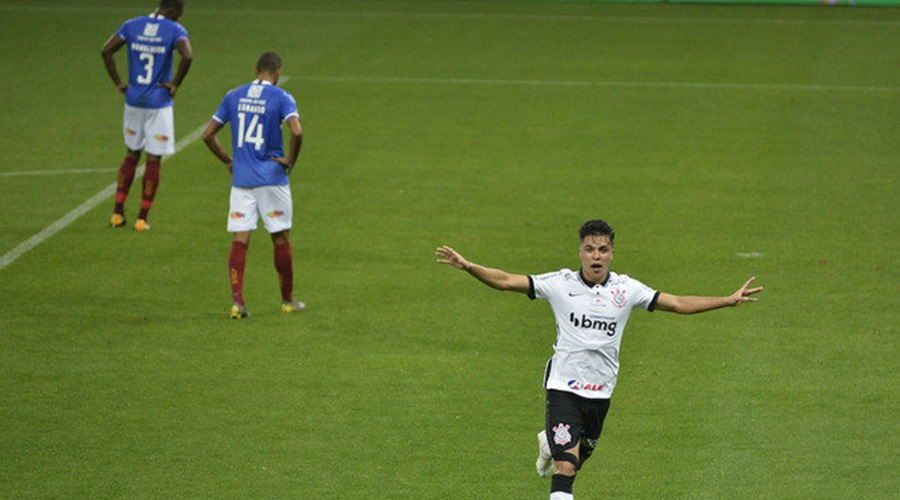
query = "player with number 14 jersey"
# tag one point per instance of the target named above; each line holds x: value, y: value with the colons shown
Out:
x: 256, y: 111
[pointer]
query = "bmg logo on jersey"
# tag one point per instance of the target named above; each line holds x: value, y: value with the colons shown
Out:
x: 601, y: 325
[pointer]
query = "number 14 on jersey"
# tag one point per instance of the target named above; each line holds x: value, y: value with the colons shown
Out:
x: 251, y: 133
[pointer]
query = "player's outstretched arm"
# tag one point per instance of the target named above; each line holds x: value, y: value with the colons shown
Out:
x: 494, y: 278
x: 684, y: 304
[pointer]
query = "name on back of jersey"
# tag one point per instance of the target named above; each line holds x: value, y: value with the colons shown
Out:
x: 252, y: 102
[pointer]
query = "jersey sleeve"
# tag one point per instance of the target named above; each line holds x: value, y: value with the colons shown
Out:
x: 543, y: 286
x: 644, y: 296
x: 180, y: 33
x: 288, y: 107
x: 123, y: 31
x: 223, y: 114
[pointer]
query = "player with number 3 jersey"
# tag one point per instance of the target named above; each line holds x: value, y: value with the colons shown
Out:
x: 148, y: 121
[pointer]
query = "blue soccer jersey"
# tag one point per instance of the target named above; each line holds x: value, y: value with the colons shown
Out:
x: 256, y: 111
x: 151, y: 44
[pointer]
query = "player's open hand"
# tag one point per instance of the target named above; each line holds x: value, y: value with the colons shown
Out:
x: 447, y: 255
x: 744, y: 293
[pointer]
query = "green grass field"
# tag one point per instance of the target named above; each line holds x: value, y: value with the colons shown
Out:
x: 721, y: 142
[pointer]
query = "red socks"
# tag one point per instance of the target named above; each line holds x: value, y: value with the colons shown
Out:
x: 237, y: 261
x: 126, y: 177
x: 284, y: 264
x: 151, y: 182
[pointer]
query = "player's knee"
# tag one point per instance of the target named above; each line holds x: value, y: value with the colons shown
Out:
x: 566, y: 464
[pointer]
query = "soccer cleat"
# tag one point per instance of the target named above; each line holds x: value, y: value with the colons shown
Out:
x: 238, y: 311
x: 141, y: 225
x: 292, y: 307
x: 117, y: 220
x: 544, y: 463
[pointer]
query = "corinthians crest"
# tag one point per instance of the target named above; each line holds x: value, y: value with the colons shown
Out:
x: 561, y: 435
x: 618, y: 298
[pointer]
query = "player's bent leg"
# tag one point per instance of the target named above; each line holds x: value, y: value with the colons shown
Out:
x: 586, y: 450
x: 565, y: 466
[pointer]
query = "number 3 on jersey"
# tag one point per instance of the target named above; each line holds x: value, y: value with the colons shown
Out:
x: 147, y: 77
x: 252, y: 133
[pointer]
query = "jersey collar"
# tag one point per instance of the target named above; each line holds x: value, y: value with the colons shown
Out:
x: 588, y: 283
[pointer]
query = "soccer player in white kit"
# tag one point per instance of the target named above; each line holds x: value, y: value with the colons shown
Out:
x: 591, y: 306
x: 148, y: 122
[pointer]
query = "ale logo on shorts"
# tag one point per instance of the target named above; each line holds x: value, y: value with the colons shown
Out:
x: 576, y: 385
x: 618, y: 298
x: 130, y: 132
x: 561, y: 435
x: 161, y: 138
x: 237, y: 215
x: 274, y: 213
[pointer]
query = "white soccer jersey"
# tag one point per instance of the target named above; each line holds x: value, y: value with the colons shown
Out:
x: 590, y: 321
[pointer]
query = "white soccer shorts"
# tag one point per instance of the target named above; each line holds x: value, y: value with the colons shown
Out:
x: 271, y: 203
x: 152, y: 130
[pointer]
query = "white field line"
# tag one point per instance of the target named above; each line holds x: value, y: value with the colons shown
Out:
x: 66, y: 220
x: 57, y: 172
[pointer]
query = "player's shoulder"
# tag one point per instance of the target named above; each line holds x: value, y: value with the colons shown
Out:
x: 563, y: 274
x: 616, y: 279
x: 178, y: 27
x: 623, y: 280
x: 284, y: 94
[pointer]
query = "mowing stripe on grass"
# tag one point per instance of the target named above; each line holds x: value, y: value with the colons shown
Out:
x: 607, y: 84
x: 454, y: 16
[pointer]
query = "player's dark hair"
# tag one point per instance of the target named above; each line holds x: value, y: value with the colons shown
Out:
x: 597, y: 227
x: 171, y: 4
x: 269, y: 62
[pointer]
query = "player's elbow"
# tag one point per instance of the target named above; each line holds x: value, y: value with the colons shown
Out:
x: 209, y: 135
